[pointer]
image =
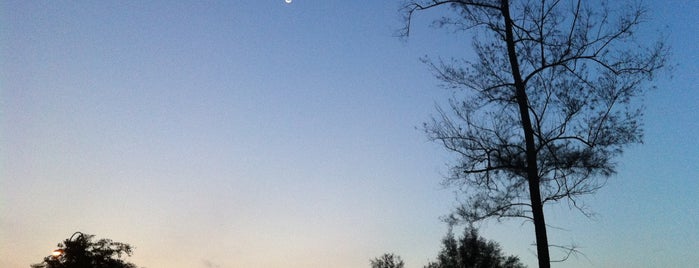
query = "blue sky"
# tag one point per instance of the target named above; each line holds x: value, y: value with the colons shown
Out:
x: 265, y: 134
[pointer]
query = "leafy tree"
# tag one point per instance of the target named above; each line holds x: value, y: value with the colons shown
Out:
x: 546, y: 106
x: 388, y: 260
x: 79, y: 251
x: 472, y: 251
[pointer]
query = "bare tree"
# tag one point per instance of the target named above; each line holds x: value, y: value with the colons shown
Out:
x: 545, y: 107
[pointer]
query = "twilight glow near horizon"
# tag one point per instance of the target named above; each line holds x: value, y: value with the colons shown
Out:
x: 278, y: 134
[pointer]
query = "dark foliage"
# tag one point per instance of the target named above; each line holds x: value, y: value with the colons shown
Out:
x: 472, y: 251
x: 388, y: 260
x: 80, y: 251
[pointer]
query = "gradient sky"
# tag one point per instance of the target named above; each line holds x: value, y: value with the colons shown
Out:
x: 263, y: 134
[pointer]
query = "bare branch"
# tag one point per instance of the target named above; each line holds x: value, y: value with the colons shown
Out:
x: 411, y: 7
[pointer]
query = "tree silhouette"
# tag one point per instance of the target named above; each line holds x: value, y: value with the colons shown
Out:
x: 79, y: 251
x: 388, y: 260
x: 472, y: 251
x: 545, y: 107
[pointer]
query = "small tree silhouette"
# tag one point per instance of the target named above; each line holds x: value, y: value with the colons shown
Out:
x: 472, y: 251
x: 79, y: 251
x: 388, y: 260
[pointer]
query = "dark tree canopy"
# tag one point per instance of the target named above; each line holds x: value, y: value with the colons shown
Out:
x: 472, y: 251
x: 80, y: 251
x: 541, y: 113
x: 388, y: 260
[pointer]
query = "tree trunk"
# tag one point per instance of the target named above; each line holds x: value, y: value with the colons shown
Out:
x: 542, y: 246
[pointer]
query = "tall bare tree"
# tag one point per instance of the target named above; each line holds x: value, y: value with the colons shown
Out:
x: 546, y: 106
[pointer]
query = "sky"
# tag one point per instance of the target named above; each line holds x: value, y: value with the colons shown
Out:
x: 265, y: 134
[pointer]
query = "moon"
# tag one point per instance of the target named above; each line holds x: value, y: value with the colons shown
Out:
x: 288, y: 1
